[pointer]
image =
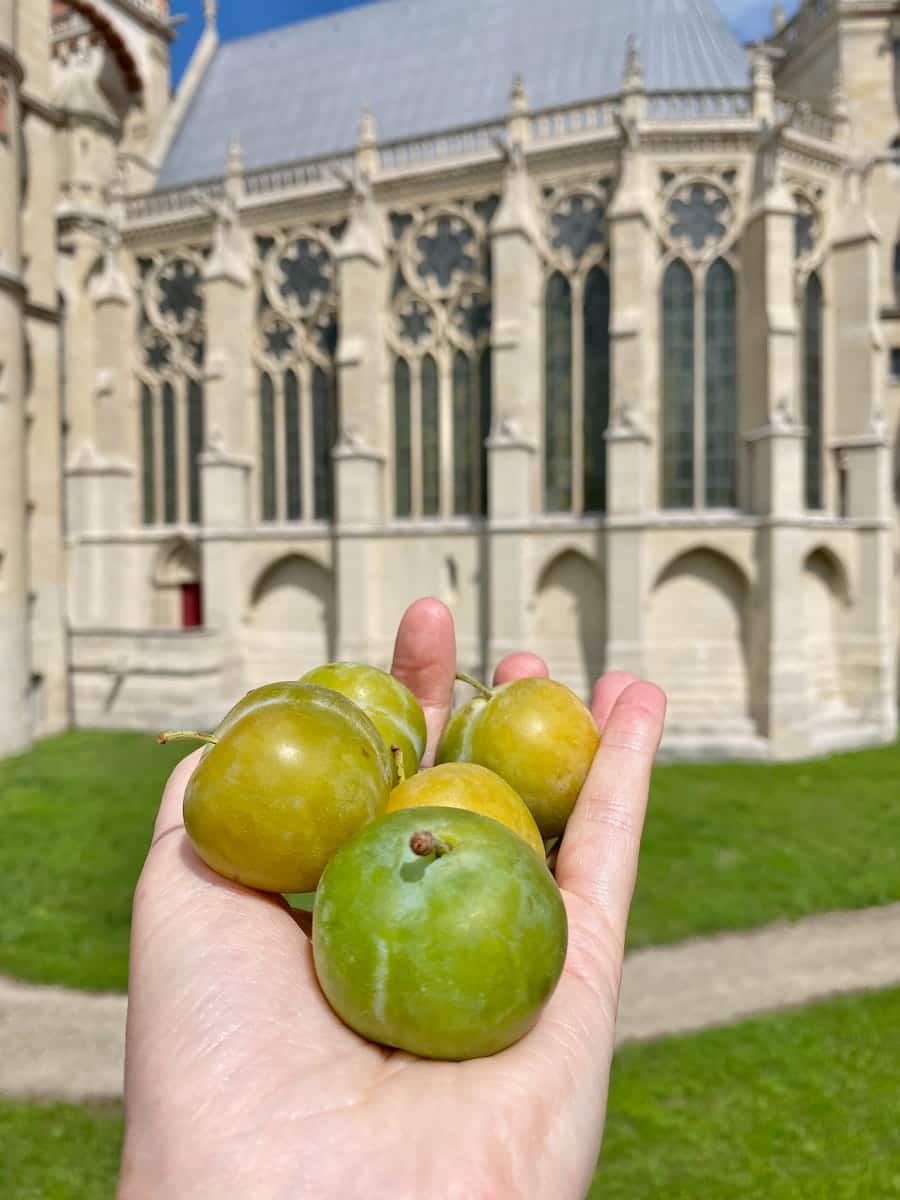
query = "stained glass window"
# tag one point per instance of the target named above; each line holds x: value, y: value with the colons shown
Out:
x: 267, y: 446
x: 558, y: 395
x: 402, y: 440
x: 812, y: 387
x: 323, y: 439
x: 484, y: 396
x: 431, y: 440
x: 721, y: 386
x: 465, y: 432
x: 700, y: 217
x: 170, y: 455
x: 292, y: 447
x: 596, y: 388
x: 148, y: 445
x: 195, y: 448
x: 678, y: 387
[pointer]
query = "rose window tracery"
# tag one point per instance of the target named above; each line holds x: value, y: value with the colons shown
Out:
x: 698, y: 215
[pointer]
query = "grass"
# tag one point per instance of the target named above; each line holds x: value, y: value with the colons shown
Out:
x: 59, y: 1151
x: 795, y: 1106
x: 77, y: 816
x: 727, y: 847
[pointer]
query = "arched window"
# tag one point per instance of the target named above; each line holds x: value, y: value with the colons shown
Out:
x: 721, y: 387
x: 172, y: 336
x: 267, y: 447
x: 678, y: 386
x: 148, y: 448
x: 558, y: 394
x: 596, y: 388
x: 812, y: 389
x: 431, y: 440
x: 293, y: 449
x: 170, y: 455
x: 324, y: 433
x: 402, y: 440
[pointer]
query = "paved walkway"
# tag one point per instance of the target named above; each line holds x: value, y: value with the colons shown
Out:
x: 68, y: 1044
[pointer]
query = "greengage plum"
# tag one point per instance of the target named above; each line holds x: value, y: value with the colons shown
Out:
x: 468, y: 786
x: 537, y: 735
x: 284, y: 786
x: 389, y: 704
x: 437, y: 931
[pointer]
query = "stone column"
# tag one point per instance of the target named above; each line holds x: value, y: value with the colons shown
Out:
x: 774, y: 437
x: 862, y: 443
x: 15, y: 716
x: 361, y: 451
x: 634, y: 384
x: 517, y: 392
x: 227, y: 459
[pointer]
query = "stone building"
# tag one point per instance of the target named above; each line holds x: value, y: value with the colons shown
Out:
x: 582, y: 317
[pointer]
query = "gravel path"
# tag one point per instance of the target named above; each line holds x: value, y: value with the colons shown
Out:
x: 68, y: 1044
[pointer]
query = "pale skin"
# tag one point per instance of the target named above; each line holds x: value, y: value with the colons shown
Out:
x: 240, y: 1080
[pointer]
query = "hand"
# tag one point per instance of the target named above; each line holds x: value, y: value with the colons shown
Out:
x: 241, y: 1081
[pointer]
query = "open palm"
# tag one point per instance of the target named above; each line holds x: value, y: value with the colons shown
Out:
x: 241, y: 1081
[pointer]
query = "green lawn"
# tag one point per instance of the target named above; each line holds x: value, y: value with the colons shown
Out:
x: 726, y: 847
x: 796, y: 1106
x: 59, y: 1151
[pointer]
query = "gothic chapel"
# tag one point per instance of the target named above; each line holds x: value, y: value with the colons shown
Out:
x: 581, y: 316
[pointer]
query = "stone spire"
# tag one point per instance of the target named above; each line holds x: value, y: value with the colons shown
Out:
x: 763, y: 86
x: 234, y: 170
x: 211, y: 13
x: 778, y: 18
x: 634, y: 72
x: 367, y: 145
x: 518, y: 128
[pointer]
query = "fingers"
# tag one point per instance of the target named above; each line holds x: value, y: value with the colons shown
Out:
x: 519, y: 666
x: 169, y: 815
x: 607, y: 691
x: 599, y: 852
x: 425, y: 660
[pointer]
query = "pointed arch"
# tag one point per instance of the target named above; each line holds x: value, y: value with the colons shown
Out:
x: 290, y: 619
x: 721, y: 386
x: 812, y: 389
x: 558, y: 394
x: 570, y: 619
x: 678, y: 386
x: 596, y: 387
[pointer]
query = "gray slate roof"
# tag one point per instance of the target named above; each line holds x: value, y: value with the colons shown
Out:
x: 424, y: 66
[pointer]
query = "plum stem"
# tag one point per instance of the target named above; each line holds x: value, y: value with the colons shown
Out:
x: 186, y: 735
x: 398, y: 763
x: 474, y: 683
x: 425, y: 842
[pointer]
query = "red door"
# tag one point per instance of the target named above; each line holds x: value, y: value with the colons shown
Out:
x: 191, y: 605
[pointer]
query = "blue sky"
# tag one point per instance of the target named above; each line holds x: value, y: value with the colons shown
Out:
x: 750, y: 19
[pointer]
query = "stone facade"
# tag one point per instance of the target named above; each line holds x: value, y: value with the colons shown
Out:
x: 615, y: 382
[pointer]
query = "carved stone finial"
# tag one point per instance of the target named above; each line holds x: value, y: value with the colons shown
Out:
x: 368, y: 133
x: 234, y: 163
x: 634, y: 72
x: 211, y: 13
x: 778, y: 18
x: 518, y: 97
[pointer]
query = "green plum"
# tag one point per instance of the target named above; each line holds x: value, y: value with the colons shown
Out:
x: 537, y: 735
x: 389, y: 704
x: 466, y: 785
x: 438, y: 932
x: 284, y: 786
x: 281, y: 690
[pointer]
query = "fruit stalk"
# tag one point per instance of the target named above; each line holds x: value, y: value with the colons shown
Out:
x: 397, y: 755
x: 186, y: 735
x: 474, y: 683
x: 425, y: 842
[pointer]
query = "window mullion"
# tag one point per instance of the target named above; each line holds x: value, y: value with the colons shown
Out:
x: 280, y: 464
x: 158, y: 453
x: 415, y: 421
x: 304, y: 372
x: 446, y: 448
x: 577, y: 393
x: 699, y: 393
